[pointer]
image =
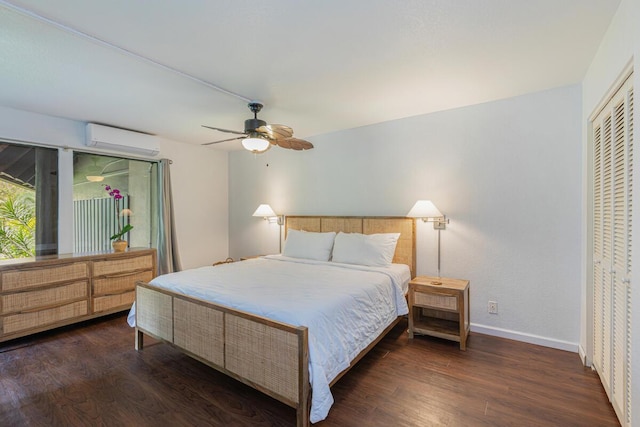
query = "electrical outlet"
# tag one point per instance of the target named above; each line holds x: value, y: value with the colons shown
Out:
x: 493, y: 307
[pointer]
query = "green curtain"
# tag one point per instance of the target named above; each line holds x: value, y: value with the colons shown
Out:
x: 168, y: 257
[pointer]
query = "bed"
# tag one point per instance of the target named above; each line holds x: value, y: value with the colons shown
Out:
x: 280, y: 350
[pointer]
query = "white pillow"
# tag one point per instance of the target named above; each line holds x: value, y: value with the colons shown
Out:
x: 365, y: 249
x: 305, y: 244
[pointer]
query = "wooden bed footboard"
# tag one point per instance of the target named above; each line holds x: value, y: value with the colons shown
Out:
x: 270, y: 356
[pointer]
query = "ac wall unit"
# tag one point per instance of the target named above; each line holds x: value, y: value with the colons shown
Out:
x: 121, y: 140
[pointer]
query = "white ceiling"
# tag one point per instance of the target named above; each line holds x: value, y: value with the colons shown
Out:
x: 318, y: 66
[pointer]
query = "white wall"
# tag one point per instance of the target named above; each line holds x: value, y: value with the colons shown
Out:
x: 620, y: 46
x: 199, y: 182
x: 507, y: 174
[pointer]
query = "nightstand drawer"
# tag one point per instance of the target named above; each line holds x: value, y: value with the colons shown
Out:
x: 436, y: 301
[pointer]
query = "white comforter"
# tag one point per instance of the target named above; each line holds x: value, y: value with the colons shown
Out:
x: 344, y: 306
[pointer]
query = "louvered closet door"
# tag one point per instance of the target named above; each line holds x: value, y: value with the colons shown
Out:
x: 612, y: 208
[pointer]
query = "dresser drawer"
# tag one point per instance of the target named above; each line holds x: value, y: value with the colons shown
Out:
x: 24, y: 321
x: 53, y: 291
x: 445, y: 302
x: 120, y: 283
x: 121, y: 301
x: 32, y: 277
x: 58, y: 295
x: 117, y: 266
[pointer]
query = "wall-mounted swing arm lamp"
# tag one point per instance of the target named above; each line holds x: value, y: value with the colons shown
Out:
x: 426, y: 210
x: 268, y: 214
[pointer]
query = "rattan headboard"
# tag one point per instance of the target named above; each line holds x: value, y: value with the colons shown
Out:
x: 405, y: 249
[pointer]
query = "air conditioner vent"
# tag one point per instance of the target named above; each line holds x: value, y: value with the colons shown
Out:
x: 120, y: 140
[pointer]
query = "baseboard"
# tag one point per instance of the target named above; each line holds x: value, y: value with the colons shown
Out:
x: 583, y: 356
x: 528, y: 338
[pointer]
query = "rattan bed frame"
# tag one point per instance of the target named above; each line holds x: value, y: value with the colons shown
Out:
x: 270, y: 356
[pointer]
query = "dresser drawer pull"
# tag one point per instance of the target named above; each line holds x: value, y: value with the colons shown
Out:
x: 49, y: 307
x: 127, y: 274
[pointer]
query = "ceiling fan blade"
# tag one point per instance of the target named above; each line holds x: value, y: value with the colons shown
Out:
x: 283, y: 143
x: 294, y: 144
x: 224, y: 130
x: 276, y: 131
x: 225, y: 140
x: 281, y: 131
x: 265, y: 133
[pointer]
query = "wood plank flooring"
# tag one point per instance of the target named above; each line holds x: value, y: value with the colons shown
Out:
x: 90, y: 374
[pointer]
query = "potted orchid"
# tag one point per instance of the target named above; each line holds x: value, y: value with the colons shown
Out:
x: 118, y: 243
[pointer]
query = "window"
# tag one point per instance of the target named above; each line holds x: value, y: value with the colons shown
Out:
x: 95, y: 217
x: 28, y: 201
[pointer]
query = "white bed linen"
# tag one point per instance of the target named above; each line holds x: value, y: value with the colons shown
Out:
x: 345, y: 307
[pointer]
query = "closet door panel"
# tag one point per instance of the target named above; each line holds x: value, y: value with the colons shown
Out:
x: 612, y: 252
x: 598, y: 270
x: 621, y: 241
x: 607, y: 244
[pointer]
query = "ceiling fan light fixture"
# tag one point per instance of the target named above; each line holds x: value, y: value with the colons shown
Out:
x: 258, y: 136
x: 256, y: 144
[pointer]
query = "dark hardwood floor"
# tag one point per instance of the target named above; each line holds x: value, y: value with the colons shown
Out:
x: 91, y: 375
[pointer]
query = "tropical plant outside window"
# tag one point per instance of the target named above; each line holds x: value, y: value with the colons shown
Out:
x: 28, y: 201
x: 18, y: 221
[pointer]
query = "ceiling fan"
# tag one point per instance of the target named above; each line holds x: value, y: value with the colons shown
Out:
x: 258, y: 136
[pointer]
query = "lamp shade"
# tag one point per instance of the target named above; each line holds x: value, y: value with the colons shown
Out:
x: 264, y: 211
x: 424, y: 209
x: 255, y: 144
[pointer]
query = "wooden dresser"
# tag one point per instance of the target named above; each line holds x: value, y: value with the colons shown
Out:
x: 42, y: 293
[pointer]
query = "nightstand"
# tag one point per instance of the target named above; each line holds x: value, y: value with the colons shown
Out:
x: 439, y: 307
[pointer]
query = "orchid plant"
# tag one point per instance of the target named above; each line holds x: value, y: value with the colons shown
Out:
x: 122, y: 230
